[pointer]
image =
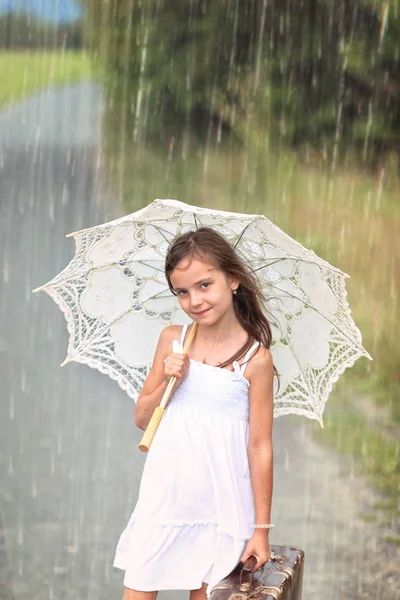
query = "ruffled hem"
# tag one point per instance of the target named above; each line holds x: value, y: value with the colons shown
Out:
x: 134, y: 520
x: 180, y: 557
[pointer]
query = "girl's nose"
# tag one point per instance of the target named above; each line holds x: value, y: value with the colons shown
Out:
x: 195, y: 300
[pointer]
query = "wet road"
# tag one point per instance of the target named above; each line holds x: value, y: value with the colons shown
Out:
x: 63, y: 431
x: 69, y: 467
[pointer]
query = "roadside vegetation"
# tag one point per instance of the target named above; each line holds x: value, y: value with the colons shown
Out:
x: 24, y: 72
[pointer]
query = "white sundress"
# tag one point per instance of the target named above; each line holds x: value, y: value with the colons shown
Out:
x: 195, y: 509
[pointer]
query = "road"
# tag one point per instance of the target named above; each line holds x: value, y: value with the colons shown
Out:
x: 69, y: 467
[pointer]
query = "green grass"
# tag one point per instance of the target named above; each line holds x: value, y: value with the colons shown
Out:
x: 368, y: 518
x: 23, y: 73
x: 393, y: 539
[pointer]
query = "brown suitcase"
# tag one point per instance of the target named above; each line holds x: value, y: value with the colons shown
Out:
x: 281, y: 578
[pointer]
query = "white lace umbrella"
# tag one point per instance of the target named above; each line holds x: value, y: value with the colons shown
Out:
x: 116, y: 300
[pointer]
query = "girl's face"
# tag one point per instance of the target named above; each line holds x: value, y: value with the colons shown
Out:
x: 204, y: 292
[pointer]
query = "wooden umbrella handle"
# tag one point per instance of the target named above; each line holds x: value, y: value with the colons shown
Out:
x: 155, y: 420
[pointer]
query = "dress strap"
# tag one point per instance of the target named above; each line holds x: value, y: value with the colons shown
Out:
x: 247, y: 357
x: 183, y: 334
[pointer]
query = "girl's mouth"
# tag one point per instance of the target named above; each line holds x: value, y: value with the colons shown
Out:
x: 203, y: 312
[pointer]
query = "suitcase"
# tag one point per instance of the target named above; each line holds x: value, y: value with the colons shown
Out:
x: 281, y: 578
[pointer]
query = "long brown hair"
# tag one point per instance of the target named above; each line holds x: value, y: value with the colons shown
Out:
x: 248, y: 302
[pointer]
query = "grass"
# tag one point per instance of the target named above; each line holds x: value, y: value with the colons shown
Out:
x: 25, y: 72
x: 393, y: 539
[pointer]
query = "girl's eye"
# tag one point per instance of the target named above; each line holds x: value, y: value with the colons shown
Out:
x: 205, y: 284
x: 181, y: 292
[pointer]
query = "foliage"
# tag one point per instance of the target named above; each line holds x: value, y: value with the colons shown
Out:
x: 332, y: 68
x: 21, y: 30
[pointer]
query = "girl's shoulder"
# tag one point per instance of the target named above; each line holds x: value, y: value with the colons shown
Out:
x: 170, y: 333
x: 165, y: 340
x: 260, y: 362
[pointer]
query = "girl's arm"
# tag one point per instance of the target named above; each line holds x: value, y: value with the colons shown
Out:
x: 260, y: 374
x: 156, y: 381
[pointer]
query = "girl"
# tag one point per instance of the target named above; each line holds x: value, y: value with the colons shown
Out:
x: 205, y: 496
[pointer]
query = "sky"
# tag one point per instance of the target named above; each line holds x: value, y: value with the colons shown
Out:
x: 53, y: 11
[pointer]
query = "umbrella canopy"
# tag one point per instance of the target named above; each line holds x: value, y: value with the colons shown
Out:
x: 116, y: 300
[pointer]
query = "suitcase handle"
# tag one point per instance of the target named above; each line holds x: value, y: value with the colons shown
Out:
x: 249, y: 566
x: 251, y: 561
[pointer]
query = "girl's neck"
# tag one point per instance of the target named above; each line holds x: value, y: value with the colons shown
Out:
x: 226, y: 331
x: 215, y: 344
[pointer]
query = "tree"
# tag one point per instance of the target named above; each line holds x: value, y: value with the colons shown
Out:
x: 313, y: 71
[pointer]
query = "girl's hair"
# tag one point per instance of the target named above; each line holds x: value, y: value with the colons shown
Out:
x: 248, y: 302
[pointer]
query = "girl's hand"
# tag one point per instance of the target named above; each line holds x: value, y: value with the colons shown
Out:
x: 258, y: 546
x: 176, y: 365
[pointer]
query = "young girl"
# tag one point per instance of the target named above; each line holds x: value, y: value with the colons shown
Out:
x: 205, y: 496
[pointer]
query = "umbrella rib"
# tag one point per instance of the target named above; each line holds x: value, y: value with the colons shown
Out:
x: 337, y: 327
x: 276, y: 260
x: 242, y: 233
x: 141, y: 262
x: 147, y: 223
x: 158, y: 295
x: 160, y: 230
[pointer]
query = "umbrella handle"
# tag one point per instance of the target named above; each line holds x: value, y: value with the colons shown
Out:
x: 151, y: 429
x: 155, y: 420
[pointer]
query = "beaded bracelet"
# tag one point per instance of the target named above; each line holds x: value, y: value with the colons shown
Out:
x: 266, y: 526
